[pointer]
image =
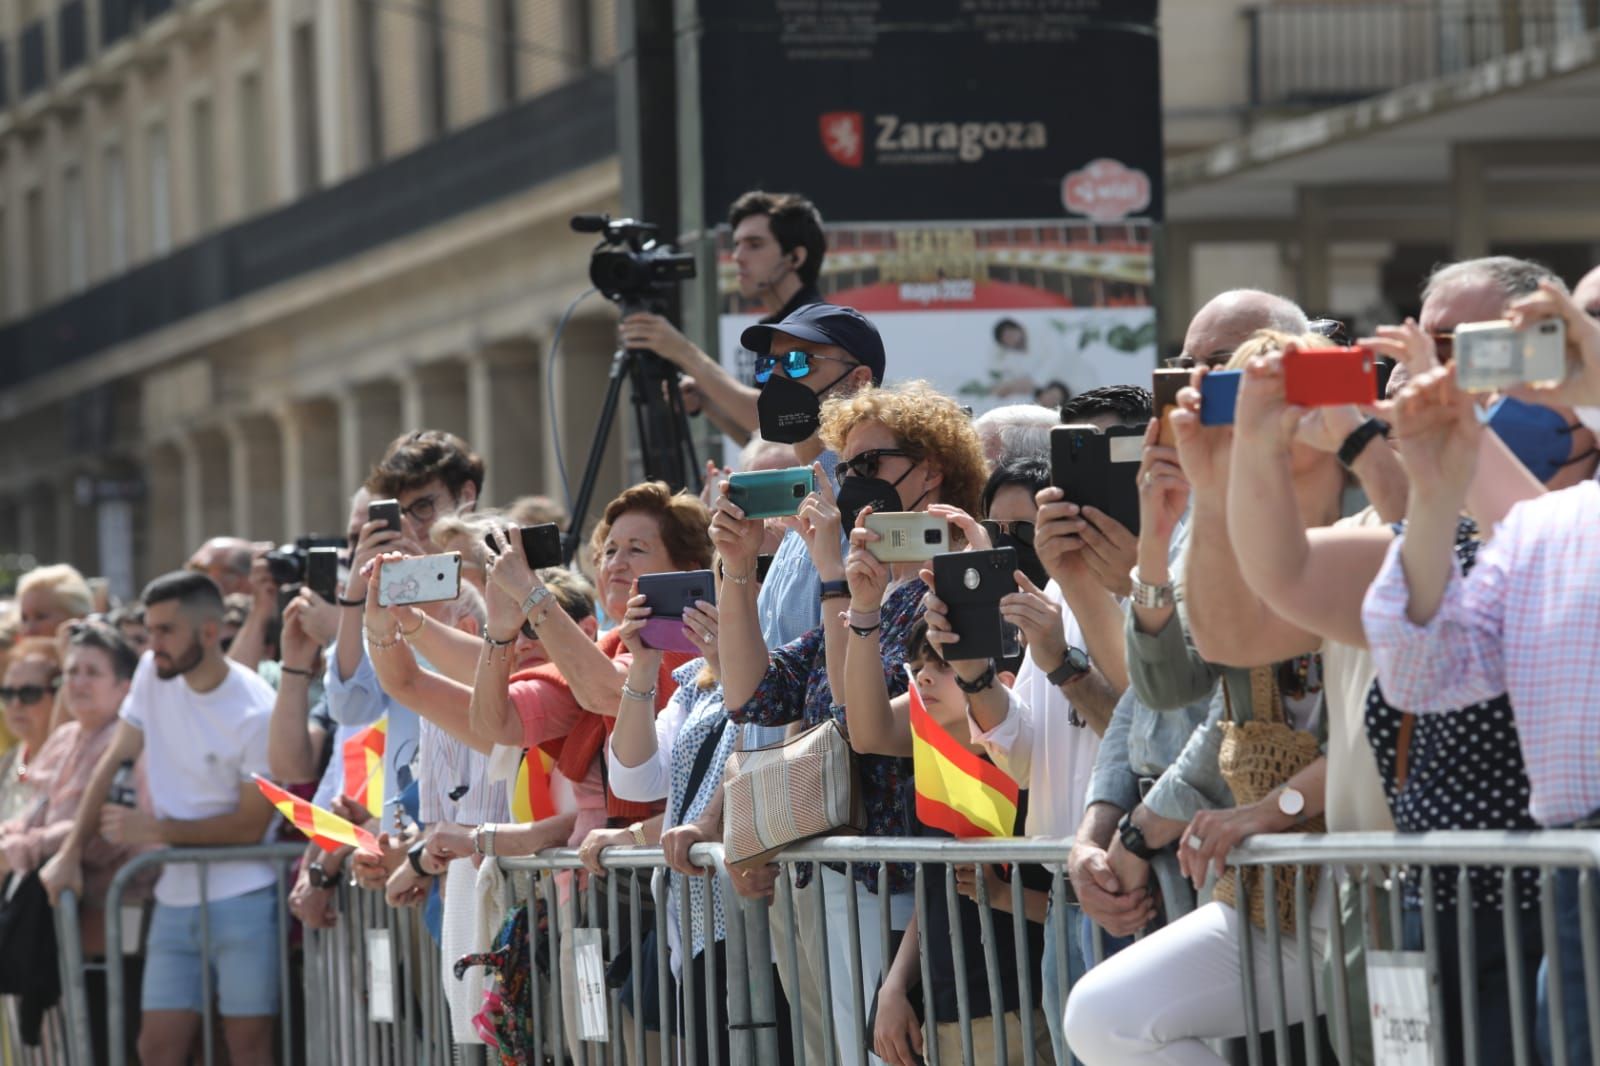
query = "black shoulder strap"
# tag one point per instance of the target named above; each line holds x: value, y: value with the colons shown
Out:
x: 702, y: 761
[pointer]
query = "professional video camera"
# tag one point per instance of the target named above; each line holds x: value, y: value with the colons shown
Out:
x: 634, y: 270
x: 287, y: 562
x: 631, y: 267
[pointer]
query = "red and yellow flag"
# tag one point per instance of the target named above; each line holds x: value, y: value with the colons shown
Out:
x: 530, y: 797
x: 957, y: 791
x: 363, y: 765
x: 327, y: 830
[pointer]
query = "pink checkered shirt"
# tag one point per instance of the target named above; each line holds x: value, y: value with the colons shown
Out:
x: 1525, y: 623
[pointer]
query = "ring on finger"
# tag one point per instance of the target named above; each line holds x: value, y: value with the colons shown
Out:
x: 1195, y: 842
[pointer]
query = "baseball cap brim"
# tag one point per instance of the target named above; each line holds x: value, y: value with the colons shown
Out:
x: 758, y: 339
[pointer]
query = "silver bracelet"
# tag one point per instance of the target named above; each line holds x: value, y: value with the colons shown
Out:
x: 483, y: 839
x: 647, y: 696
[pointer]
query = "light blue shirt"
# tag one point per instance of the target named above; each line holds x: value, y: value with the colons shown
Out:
x: 790, y: 603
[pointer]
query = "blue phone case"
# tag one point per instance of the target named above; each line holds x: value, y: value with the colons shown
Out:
x: 1219, y: 392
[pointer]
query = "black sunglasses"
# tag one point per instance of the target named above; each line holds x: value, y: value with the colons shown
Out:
x: 1020, y: 529
x: 28, y: 695
x: 866, y: 464
x: 527, y: 631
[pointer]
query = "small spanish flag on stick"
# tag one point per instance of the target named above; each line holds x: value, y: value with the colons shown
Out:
x: 327, y: 830
x: 957, y: 791
x: 530, y: 797
x: 363, y: 765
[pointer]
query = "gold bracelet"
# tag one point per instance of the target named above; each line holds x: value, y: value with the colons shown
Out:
x: 422, y: 623
x: 374, y: 641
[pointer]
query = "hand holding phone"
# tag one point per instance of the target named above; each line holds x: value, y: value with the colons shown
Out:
x: 972, y: 584
x: 387, y: 512
x: 1329, y: 377
x: 771, y: 493
x: 420, y: 579
x: 668, y: 595
x: 1099, y: 468
x: 1491, y: 356
x: 1219, y: 394
x: 1165, y: 384
x: 541, y: 544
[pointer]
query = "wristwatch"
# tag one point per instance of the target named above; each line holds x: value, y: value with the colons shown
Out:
x: 637, y: 829
x: 833, y: 590
x: 1132, y: 838
x: 1151, y: 596
x: 319, y: 876
x: 1291, y: 802
x: 414, y: 857
x: 1074, y: 664
x: 1359, y: 438
x: 983, y: 681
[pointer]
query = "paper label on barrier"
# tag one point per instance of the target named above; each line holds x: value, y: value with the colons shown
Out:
x: 1402, y: 1016
x: 380, y: 976
x: 589, y: 961
x: 132, y: 928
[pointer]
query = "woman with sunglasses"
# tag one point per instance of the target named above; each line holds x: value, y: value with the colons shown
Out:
x: 28, y: 692
x: 904, y: 448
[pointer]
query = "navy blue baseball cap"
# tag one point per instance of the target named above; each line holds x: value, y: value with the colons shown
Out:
x: 825, y: 324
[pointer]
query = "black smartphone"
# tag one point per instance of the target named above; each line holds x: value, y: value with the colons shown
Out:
x: 541, y: 544
x: 322, y: 572
x: 387, y: 511
x: 1099, y: 468
x: 971, y: 585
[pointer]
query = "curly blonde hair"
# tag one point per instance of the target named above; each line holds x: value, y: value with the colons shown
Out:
x: 684, y: 520
x: 927, y: 424
x: 1267, y: 341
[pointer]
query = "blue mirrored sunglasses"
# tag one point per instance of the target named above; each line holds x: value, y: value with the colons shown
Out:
x: 795, y: 364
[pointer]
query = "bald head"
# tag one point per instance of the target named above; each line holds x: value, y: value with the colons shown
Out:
x: 1587, y: 292
x: 1229, y: 319
x: 226, y: 560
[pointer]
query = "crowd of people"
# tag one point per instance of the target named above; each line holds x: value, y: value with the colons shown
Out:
x: 1381, y: 604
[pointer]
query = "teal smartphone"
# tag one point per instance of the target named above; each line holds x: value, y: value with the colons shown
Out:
x: 771, y: 493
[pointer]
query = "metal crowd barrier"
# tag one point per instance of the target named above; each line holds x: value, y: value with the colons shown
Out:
x: 1371, y: 866
x: 753, y: 999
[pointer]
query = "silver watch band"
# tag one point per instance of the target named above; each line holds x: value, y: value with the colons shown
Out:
x: 1151, y: 596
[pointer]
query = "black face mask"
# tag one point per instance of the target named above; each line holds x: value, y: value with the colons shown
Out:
x: 789, y: 412
x: 1027, y: 559
x: 856, y: 493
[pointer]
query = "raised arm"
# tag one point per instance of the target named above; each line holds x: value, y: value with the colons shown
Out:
x: 292, y: 743
x: 875, y: 728
x: 744, y: 654
x: 731, y: 405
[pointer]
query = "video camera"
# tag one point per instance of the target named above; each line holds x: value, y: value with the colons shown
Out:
x: 631, y: 267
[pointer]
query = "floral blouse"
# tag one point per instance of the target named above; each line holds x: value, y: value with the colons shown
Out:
x: 796, y: 688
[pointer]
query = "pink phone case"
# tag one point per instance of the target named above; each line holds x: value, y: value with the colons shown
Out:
x: 667, y: 634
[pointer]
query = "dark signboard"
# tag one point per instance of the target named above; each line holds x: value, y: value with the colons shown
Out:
x: 883, y: 110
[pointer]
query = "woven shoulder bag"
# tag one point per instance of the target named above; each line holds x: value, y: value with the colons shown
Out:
x: 1256, y: 757
x: 785, y: 793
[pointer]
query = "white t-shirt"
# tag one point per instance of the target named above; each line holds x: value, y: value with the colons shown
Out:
x: 1039, y: 746
x: 198, y: 749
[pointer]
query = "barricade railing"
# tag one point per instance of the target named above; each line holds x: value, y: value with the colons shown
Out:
x: 1366, y: 875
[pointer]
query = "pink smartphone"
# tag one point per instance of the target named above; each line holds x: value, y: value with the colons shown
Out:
x: 669, y: 595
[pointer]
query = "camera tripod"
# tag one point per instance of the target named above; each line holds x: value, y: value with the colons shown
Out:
x: 661, y: 424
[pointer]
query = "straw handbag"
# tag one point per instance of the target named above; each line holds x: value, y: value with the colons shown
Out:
x: 1256, y: 757
x: 789, y: 792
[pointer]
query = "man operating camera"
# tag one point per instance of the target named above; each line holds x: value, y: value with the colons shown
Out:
x: 778, y: 247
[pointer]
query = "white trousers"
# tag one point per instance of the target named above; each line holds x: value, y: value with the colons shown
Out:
x: 1159, y: 1000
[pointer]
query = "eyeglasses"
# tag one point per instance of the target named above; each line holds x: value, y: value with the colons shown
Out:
x: 1444, y: 345
x: 866, y: 464
x: 795, y: 364
x: 527, y: 631
x: 421, y: 509
x: 1189, y: 362
x: 28, y: 695
x: 1022, y: 530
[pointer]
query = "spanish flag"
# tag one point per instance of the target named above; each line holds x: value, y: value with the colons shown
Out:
x: 327, y: 830
x: 530, y: 796
x: 957, y: 791
x: 363, y: 765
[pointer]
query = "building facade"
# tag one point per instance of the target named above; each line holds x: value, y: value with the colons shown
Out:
x: 243, y: 243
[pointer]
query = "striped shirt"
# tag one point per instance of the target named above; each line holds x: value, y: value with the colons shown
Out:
x: 1522, y: 623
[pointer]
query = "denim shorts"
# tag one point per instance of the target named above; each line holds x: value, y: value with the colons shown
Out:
x: 243, y: 956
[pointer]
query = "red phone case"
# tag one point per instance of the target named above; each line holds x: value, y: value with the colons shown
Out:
x: 1325, y: 377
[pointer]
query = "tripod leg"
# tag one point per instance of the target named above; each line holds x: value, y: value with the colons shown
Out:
x: 620, y: 364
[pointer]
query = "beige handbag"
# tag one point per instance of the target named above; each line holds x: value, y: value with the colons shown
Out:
x: 1256, y: 757
x: 789, y: 792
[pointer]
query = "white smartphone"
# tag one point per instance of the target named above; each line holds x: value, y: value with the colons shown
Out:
x: 1491, y: 355
x: 908, y: 536
x: 423, y: 579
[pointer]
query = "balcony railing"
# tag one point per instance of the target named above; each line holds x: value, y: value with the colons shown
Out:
x: 72, y: 35
x: 515, y: 150
x: 1320, y: 54
x: 35, y: 62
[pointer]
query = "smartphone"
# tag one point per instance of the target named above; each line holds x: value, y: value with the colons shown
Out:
x: 771, y: 493
x: 1219, y: 393
x: 1492, y: 355
x: 908, y: 536
x: 387, y: 511
x: 421, y: 579
x: 322, y: 572
x: 1098, y: 468
x: 971, y: 585
x: 1164, y: 386
x: 668, y: 595
x: 1327, y: 377
x: 540, y: 543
